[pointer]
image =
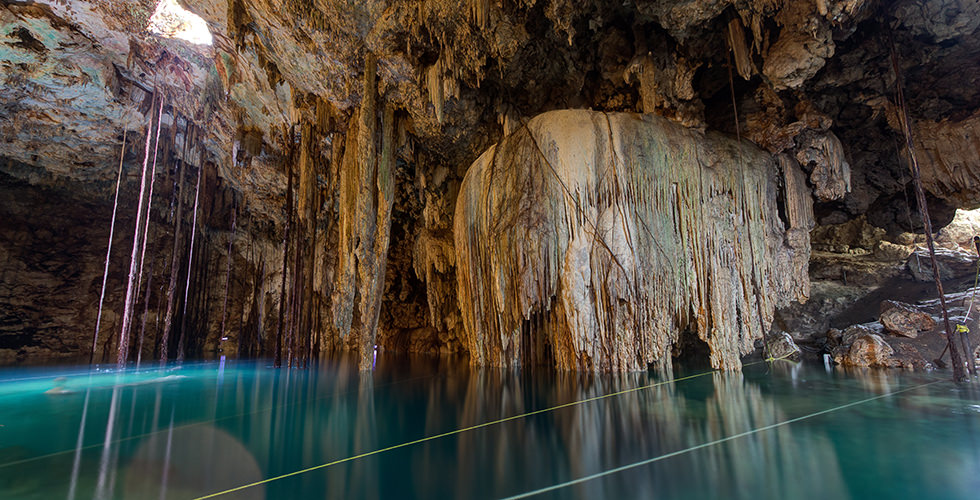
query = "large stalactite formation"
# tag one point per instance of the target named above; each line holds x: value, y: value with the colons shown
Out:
x: 309, y: 191
x: 595, y: 238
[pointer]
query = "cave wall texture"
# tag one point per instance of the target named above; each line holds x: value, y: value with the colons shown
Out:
x: 332, y: 139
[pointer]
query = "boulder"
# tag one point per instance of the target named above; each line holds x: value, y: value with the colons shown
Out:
x: 868, y: 350
x: 781, y: 346
x: 952, y: 264
x: 903, y: 319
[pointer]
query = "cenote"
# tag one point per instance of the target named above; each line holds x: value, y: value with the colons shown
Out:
x: 293, y: 249
x: 424, y: 428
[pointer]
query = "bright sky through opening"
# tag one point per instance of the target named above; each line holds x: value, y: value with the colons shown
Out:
x: 172, y: 21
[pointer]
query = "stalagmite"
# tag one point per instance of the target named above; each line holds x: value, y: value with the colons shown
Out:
x: 108, y: 252
x: 592, y: 240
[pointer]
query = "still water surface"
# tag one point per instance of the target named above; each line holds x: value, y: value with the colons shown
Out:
x: 781, y: 431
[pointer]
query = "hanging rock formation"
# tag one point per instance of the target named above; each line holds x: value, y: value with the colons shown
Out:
x: 592, y: 240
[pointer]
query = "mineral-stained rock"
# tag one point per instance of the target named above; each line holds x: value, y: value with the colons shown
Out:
x: 594, y: 239
x: 867, y: 350
x: 904, y: 319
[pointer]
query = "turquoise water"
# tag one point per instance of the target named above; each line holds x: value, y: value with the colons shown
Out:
x: 772, y: 432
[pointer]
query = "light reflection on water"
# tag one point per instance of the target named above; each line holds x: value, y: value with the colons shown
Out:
x: 183, y: 432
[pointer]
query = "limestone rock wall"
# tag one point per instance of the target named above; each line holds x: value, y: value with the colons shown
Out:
x: 592, y: 240
x: 275, y: 105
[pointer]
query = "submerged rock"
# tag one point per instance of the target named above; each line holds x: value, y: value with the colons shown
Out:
x: 904, y: 319
x: 590, y: 240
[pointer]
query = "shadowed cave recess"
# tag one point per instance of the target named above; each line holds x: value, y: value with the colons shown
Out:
x: 587, y: 185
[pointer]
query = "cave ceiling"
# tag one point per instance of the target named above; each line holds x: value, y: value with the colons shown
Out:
x: 78, y: 73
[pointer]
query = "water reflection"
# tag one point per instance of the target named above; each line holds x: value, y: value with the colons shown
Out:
x: 593, y: 437
x: 199, y: 430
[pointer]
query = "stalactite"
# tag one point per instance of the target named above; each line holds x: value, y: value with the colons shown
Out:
x: 372, y: 289
x: 252, y: 345
x: 306, y: 238
x: 609, y: 234
x: 198, y: 311
x: 285, y: 258
x: 123, y: 352
x: 830, y: 173
x: 357, y: 193
x: 296, y: 300
x: 366, y: 193
x: 108, y: 252
x: 740, y: 51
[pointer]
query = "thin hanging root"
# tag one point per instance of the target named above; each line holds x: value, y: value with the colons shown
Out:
x: 174, y: 255
x: 149, y: 202
x: 181, y: 343
x: 146, y: 311
x: 108, y: 252
x: 122, y: 354
x: 956, y: 357
x: 231, y: 243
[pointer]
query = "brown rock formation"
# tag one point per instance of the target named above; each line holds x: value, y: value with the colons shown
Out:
x: 287, y: 131
x: 592, y: 240
x: 903, y: 319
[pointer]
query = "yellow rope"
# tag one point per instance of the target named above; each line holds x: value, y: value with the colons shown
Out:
x: 467, y: 429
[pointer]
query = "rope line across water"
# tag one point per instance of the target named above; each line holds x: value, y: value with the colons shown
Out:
x: 466, y: 429
x: 707, y: 445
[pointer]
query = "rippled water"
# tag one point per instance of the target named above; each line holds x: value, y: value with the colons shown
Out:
x: 772, y: 432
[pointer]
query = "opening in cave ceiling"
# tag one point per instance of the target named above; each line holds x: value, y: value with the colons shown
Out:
x: 173, y: 21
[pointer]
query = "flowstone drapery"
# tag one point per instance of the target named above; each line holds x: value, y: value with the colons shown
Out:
x: 592, y: 240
